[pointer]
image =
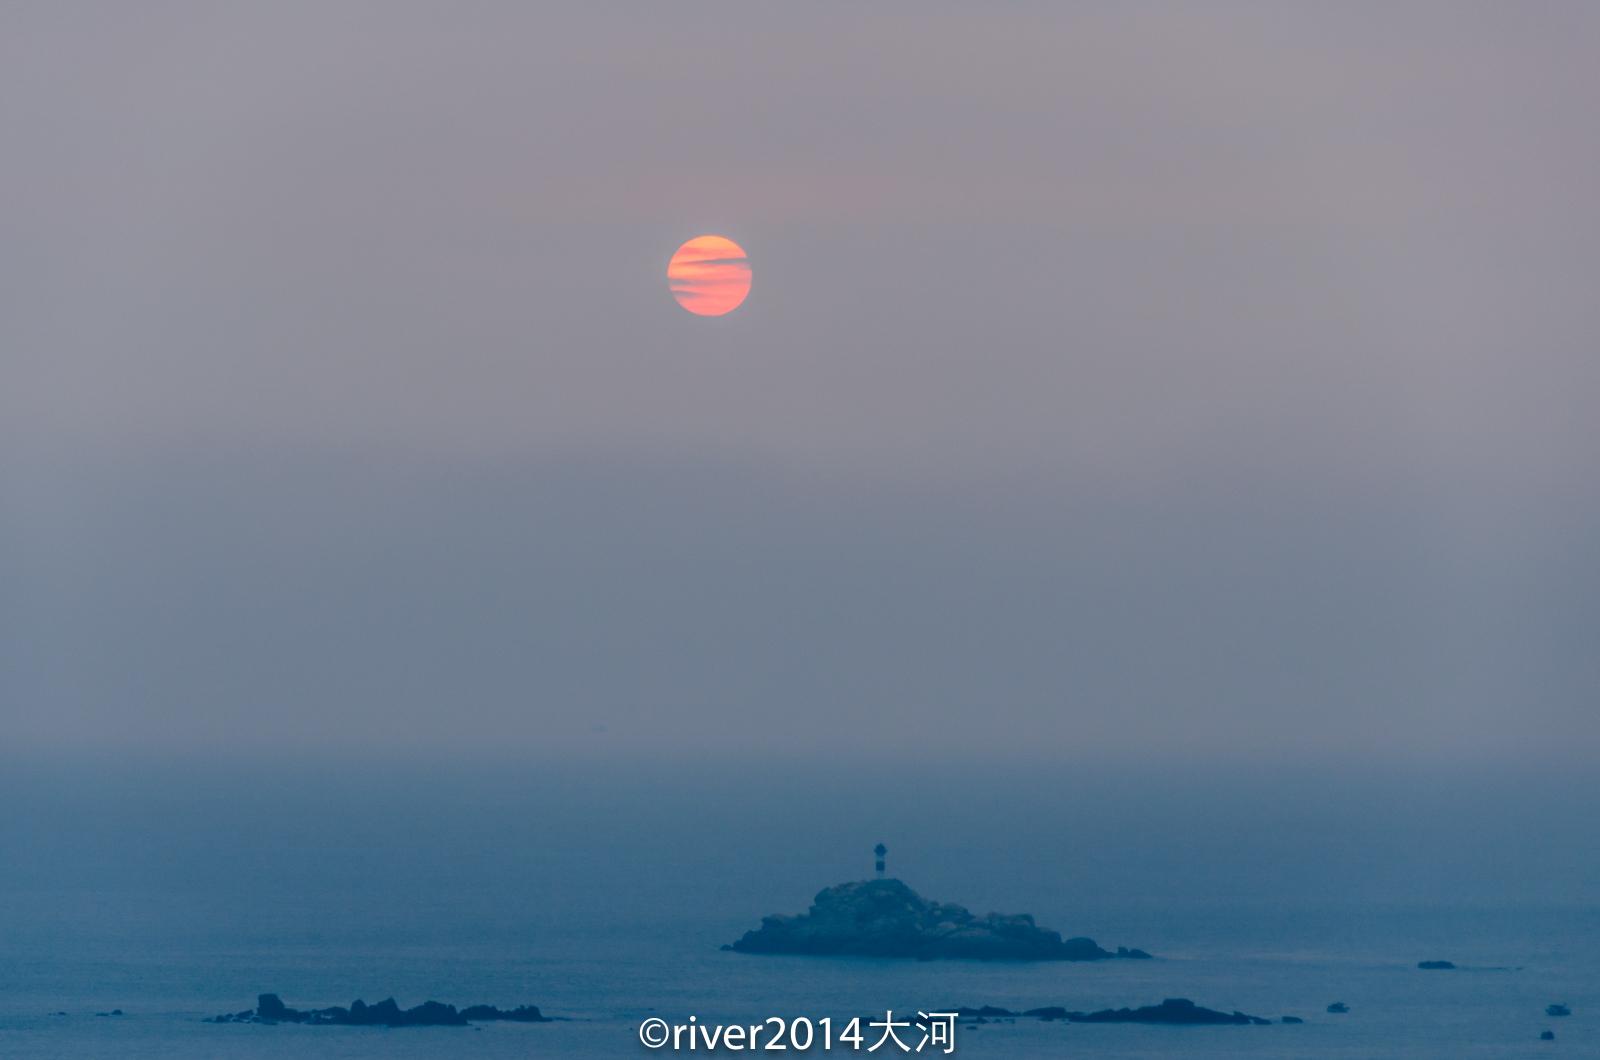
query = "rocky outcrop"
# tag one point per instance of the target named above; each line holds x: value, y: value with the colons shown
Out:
x: 386, y: 1013
x: 1436, y: 966
x: 1338, y: 1008
x: 885, y: 918
x: 1172, y: 1010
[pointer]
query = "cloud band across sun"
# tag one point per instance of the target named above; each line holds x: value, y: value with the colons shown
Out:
x: 709, y: 275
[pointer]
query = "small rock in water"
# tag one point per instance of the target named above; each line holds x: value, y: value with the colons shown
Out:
x: 1339, y: 1007
x: 1557, y: 1010
x: 1547, y: 1036
x: 1291, y: 1019
x: 1435, y: 966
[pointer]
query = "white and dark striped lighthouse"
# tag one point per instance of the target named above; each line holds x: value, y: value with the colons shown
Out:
x: 878, y: 852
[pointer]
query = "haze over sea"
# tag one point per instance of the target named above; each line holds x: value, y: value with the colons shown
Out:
x: 179, y: 890
x: 1151, y: 482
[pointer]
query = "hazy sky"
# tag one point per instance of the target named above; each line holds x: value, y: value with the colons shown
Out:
x: 1117, y: 380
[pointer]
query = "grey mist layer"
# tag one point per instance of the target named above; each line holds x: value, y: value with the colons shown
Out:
x: 1145, y: 383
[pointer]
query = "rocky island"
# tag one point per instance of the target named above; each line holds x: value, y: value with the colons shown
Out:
x: 271, y: 1009
x: 886, y: 918
x: 1172, y: 1010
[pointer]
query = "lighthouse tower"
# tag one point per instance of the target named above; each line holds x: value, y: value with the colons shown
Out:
x: 878, y: 852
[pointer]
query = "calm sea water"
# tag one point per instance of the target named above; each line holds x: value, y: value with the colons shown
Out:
x: 602, y: 896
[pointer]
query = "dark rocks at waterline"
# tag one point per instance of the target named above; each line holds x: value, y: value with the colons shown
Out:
x: 113, y: 1012
x: 1547, y: 1036
x: 885, y: 918
x: 1436, y: 966
x: 1290, y: 1019
x: 1557, y: 1010
x: 386, y: 1013
x: 1338, y: 1008
x: 1172, y: 1010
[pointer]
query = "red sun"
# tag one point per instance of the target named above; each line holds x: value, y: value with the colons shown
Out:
x: 709, y: 275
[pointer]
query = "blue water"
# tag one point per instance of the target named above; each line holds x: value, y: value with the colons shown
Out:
x: 177, y: 895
